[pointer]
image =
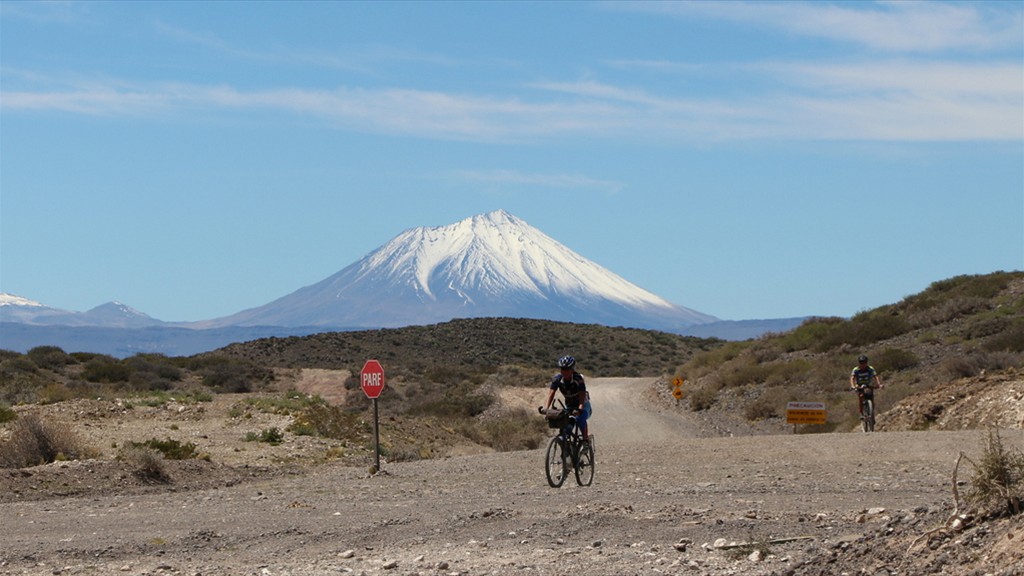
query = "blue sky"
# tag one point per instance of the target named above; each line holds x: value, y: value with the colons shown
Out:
x: 747, y: 160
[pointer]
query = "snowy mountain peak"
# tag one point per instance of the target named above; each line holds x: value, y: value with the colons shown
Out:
x: 492, y: 264
x: 115, y: 308
x: 12, y: 300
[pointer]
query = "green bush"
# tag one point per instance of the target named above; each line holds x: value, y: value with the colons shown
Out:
x: 894, y: 360
x: 102, y: 368
x: 324, y: 420
x: 49, y: 357
x: 809, y: 334
x: 170, y: 448
x: 7, y: 413
x: 272, y: 436
x: 865, y: 328
x: 1012, y: 340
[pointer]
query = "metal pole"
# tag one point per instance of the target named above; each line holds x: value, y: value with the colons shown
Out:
x: 376, y: 437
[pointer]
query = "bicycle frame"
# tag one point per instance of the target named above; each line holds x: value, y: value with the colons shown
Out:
x: 568, y: 447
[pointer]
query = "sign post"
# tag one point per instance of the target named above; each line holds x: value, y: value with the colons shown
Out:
x: 372, y: 381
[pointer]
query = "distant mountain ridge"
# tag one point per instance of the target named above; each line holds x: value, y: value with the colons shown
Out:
x: 110, y: 315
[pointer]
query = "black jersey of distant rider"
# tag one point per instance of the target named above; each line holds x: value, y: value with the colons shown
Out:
x: 865, y: 378
x: 574, y: 391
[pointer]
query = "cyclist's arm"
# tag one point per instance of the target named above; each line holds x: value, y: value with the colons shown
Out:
x: 853, y: 380
x: 550, y: 400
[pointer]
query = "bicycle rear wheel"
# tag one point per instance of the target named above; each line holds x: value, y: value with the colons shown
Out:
x: 555, y: 463
x: 585, y: 465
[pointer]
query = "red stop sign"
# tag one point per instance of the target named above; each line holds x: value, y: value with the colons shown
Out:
x: 372, y: 379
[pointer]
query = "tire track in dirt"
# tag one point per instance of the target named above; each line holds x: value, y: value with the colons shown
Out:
x: 622, y: 417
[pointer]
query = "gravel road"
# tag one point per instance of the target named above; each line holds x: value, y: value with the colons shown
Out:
x: 664, y: 501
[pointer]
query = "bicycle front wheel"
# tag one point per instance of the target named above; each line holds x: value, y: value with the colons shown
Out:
x: 585, y: 465
x: 555, y: 464
x: 869, y: 415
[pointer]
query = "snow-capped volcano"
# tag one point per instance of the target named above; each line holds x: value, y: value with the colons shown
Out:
x: 488, y: 265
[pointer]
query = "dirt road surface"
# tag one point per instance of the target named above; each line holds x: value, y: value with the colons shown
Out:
x: 663, y: 501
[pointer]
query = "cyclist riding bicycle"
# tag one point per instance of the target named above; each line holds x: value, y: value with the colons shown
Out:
x: 864, y: 378
x: 573, y: 388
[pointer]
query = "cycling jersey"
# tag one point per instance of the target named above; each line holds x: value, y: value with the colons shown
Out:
x: 574, y: 391
x: 865, y: 377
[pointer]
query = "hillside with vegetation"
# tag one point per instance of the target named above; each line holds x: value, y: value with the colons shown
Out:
x: 960, y: 336
x: 949, y: 356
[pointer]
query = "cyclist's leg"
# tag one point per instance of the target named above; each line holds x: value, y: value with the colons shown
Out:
x: 581, y: 421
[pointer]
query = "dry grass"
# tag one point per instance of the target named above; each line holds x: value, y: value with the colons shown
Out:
x: 997, y: 486
x: 34, y: 442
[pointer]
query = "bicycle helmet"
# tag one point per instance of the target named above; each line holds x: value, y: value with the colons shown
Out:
x: 862, y: 358
x: 566, y: 362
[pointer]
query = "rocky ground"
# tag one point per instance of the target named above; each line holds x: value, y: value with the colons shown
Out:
x: 671, y: 496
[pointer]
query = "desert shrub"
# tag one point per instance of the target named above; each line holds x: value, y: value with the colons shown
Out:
x: 55, y: 392
x: 322, y: 419
x: 960, y: 367
x: 997, y: 485
x: 864, y: 328
x: 519, y: 430
x: 1010, y: 340
x: 808, y: 334
x: 49, y: 357
x: 762, y: 409
x: 7, y: 414
x: 18, y: 365
x: 227, y: 378
x: 707, y: 361
x: 147, y: 464
x: 291, y: 402
x: 272, y: 436
x: 894, y: 360
x: 142, y: 381
x: 759, y: 367
x: 170, y: 448
x: 34, y: 442
x: 102, y: 368
x: 964, y: 288
x: 226, y: 374
x: 152, y: 372
x: 974, y: 362
x: 703, y: 397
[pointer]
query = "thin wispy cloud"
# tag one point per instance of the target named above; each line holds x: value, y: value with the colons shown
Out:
x: 860, y: 98
x: 563, y: 181
x: 894, y: 102
x: 366, y: 60
x: 913, y: 27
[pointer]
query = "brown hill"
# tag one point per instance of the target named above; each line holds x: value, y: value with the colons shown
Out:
x: 480, y: 345
x: 949, y: 357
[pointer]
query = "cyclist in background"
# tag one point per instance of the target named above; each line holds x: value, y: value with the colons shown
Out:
x: 573, y: 388
x: 864, y: 376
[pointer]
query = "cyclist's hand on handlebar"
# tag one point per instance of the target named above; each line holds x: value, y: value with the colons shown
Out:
x: 575, y: 412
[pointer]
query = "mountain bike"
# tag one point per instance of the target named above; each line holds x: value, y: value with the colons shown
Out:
x: 567, y: 449
x: 867, y: 408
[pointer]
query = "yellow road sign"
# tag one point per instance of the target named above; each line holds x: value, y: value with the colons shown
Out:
x: 678, y: 382
x: 678, y: 393
x: 806, y: 413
